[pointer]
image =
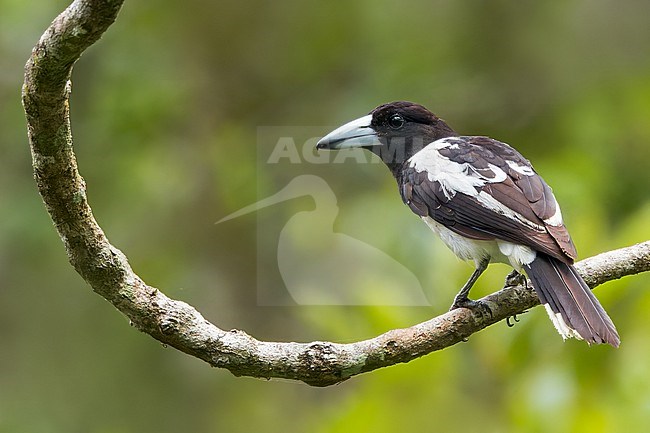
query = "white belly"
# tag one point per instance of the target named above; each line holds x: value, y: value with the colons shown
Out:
x: 477, y: 250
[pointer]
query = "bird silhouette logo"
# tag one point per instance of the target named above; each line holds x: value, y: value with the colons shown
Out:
x: 320, y: 266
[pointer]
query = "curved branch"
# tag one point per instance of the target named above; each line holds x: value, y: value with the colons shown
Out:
x: 175, y: 323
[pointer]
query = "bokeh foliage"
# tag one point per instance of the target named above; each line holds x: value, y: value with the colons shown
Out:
x: 165, y: 110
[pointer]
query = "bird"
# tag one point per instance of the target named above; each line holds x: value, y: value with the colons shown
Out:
x: 487, y: 204
x: 312, y: 278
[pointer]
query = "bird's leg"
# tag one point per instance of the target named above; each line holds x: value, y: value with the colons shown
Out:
x: 514, y: 279
x: 461, y: 300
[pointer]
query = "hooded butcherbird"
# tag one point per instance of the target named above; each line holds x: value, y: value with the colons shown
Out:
x: 487, y: 203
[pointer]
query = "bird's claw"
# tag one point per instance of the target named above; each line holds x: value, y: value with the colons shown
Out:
x: 470, y: 304
x: 514, y: 279
x: 514, y: 318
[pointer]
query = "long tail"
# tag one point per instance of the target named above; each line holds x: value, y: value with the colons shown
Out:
x: 572, y: 307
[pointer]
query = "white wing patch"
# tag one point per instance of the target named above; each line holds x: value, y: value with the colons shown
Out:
x: 496, y: 206
x: 522, y: 169
x: 464, y: 178
x: 556, y: 218
x: 452, y: 176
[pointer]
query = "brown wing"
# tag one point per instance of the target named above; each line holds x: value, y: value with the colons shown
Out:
x: 526, y: 201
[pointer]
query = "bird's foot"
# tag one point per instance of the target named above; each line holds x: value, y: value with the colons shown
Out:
x: 463, y: 302
x: 470, y: 304
x: 514, y: 279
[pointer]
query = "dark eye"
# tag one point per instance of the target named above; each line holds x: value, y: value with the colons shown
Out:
x: 396, y: 121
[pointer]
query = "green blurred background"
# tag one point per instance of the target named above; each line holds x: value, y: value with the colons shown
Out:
x: 165, y: 112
